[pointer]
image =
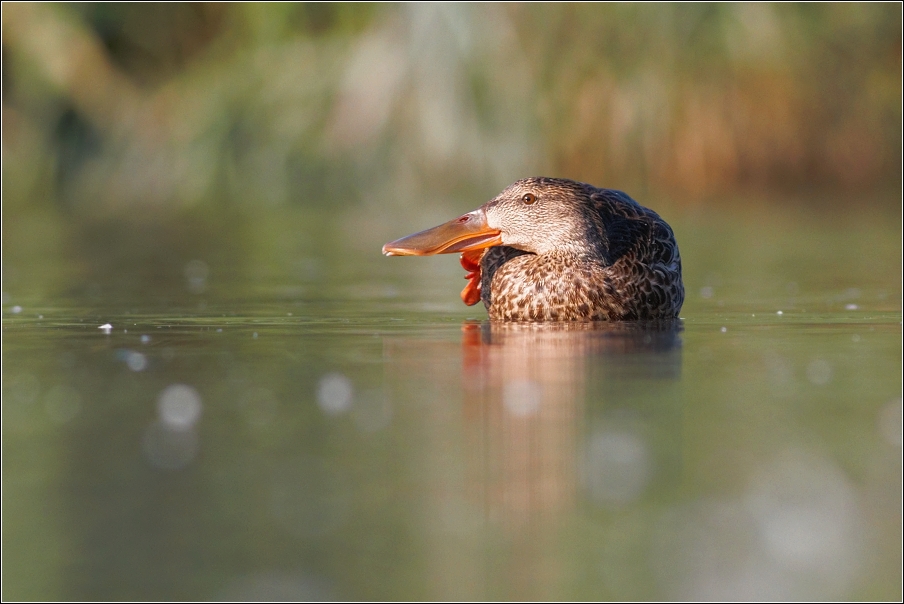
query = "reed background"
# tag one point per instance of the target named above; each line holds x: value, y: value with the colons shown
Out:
x: 110, y: 106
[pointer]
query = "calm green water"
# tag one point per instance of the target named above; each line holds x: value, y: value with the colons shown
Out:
x: 277, y: 411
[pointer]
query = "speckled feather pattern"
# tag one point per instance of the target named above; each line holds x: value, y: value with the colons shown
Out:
x: 627, y: 265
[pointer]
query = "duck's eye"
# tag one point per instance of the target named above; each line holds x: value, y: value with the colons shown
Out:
x: 529, y: 198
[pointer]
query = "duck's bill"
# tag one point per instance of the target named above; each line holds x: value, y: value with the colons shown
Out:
x: 469, y: 232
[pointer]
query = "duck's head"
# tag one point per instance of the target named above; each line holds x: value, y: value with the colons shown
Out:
x: 535, y: 215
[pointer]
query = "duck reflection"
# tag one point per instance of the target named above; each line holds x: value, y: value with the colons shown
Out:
x: 527, y: 387
x: 519, y: 425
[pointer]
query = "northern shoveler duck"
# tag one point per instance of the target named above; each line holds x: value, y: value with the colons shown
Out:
x: 551, y: 249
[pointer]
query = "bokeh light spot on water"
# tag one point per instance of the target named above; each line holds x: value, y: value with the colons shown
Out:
x: 334, y: 393
x: 706, y: 292
x: 169, y: 448
x: 136, y: 361
x: 16, y: 309
x: 891, y: 423
x: 522, y: 397
x: 796, y: 533
x: 703, y: 551
x: 616, y: 467
x: 145, y: 339
x: 196, y: 272
x: 850, y: 307
x: 106, y: 327
x: 819, y: 372
x: 724, y: 329
x: 808, y: 516
x: 62, y: 403
x: 179, y: 406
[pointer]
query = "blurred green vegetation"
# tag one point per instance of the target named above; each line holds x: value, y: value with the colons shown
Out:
x: 117, y: 106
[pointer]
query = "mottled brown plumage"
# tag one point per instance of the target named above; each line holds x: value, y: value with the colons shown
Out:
x: 551, y: 249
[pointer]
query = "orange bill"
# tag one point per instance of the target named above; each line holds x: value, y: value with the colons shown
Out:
x: 470, y: 261
x: 466, y: 233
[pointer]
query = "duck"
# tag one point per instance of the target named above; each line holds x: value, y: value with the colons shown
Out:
x: 552, y: 249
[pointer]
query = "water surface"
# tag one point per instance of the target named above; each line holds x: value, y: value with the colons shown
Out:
x: 276, y: 411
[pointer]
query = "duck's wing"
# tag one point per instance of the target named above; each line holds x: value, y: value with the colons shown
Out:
x: 620, y: 224
x: 642, y: 253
